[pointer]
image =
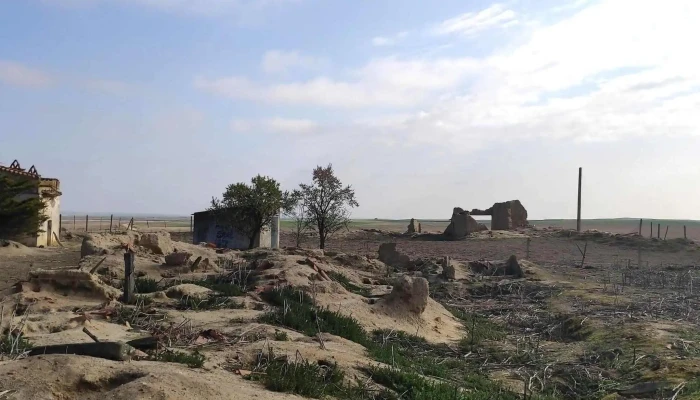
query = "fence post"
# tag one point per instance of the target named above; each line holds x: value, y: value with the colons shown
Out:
x: 100, y: 226
x: 74, y: 224
x: 666, y: 234
x: 86, y: 223
x: 658, y: 231
x: 651, y: 229
x: 60, y: 223
x: 527, y: 249
x: 640, y: 227
x: 685, y: 233
x: 111, y: 218
x: 128, y: 276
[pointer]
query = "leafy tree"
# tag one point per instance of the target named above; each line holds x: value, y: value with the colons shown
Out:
x: 20, y: 215
x: 327, y: 203
x: 250, y: 208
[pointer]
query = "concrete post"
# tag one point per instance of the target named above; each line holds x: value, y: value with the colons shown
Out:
x: 275, y: 232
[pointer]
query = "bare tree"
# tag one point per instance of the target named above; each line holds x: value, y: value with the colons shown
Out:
x: 327, y: 203
x: 298, y: 214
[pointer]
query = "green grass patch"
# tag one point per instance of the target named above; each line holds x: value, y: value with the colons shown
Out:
x: 194, y: 360
x: 295, y: 310
x: 303, y: 377
x: 11, y: 345
x: 219, y: 285
x: 349, y: 285
x: 214, y: 302
x: 146, y: 285
x: 411, y: 356
x: 281, y: 336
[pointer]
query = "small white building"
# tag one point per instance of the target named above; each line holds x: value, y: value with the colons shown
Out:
x: 50, y: 192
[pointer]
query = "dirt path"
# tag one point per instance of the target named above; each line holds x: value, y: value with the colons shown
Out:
x: 14, y: 266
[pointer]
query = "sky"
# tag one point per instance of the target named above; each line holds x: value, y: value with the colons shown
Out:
x: 155, y: 106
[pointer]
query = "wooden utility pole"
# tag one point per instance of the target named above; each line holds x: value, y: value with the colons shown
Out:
x: 578, y: 214
x: 128, y: 276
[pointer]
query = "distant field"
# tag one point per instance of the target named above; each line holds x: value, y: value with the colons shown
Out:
x: 618, y: 225
x: 615, y: 225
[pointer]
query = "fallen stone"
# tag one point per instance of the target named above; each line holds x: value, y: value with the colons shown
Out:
x: 513, y: 267
x: 158, y: 242
x: 449, y: 272
x: 188, y: 290
x: 461, y: 224
x: 410, y: 294
x: 177, y: 259
x: 390, y: 256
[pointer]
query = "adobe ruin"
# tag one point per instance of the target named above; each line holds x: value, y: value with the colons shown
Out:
x: 506, y: 215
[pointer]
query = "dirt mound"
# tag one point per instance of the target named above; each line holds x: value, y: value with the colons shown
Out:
x: 96, y: 379
x: 106, y: 243
x: 409, y: 293
x: 435, y: 323
x: 69, y: 282
x: 11, y: 248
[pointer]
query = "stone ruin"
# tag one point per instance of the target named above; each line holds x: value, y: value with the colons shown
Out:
x: 413, y: 227
x: 506, y: 215
x: 461, y: 224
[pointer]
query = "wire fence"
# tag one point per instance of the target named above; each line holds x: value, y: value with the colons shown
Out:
x: 112, y: 223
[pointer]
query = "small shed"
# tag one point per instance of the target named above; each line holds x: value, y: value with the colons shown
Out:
x: 207, y: 229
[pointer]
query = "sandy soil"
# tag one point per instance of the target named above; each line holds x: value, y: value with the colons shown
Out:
x: 654, y: 305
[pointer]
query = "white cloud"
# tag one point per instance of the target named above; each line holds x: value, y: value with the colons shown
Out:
x: 275, y: 125
x: 288, y: 125
x: 381, y: 41
x: 385, y: 82
x: 581, y: 78
x: 278, y: 61
x: 496, y: 15
x: 17, y: 74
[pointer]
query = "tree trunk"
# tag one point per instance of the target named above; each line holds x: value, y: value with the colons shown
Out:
x: 322, y: 240
x: 251, y: 245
